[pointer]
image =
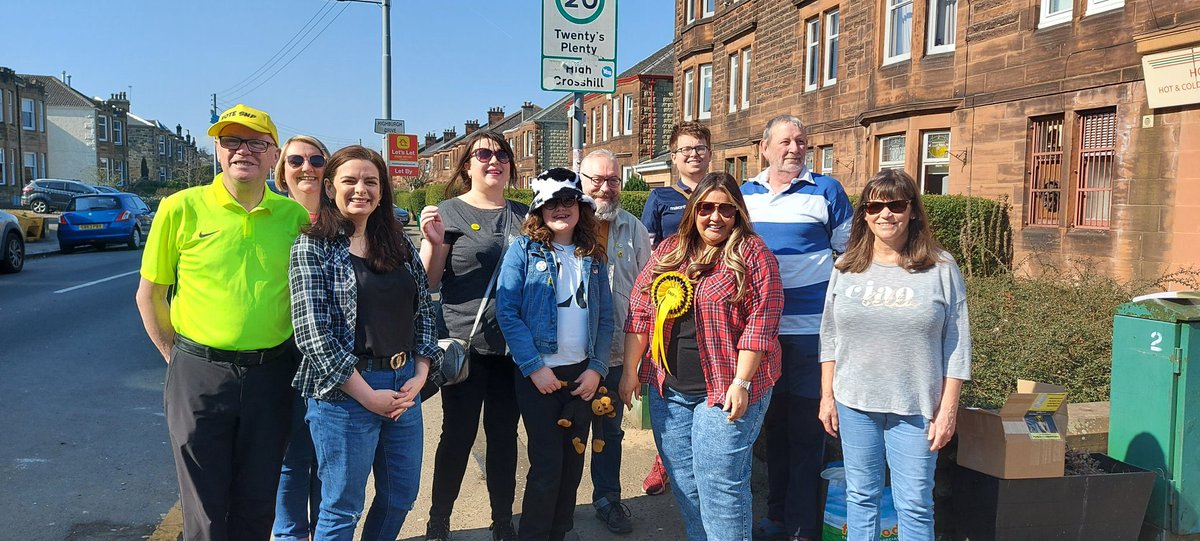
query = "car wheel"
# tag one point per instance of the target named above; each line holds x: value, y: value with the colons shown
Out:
x: 14, y: 254
x: 135, y: 239
x: 39, y: 206
x: 66, y: 248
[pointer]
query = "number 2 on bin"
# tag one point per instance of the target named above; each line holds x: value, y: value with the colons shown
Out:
x: 1156, y: 339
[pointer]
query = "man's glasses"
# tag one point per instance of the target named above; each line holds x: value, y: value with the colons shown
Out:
x: 230, y: 142
x: 699, y: 150
x: 613, y: 182
x: 297, y: 161
x: 727, y: 210
x: 897, y: 207
x: 485, y: 155
x: 564, y: 202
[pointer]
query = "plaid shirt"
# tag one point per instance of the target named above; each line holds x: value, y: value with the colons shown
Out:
x: 722, y: 327
x: 325, y: 310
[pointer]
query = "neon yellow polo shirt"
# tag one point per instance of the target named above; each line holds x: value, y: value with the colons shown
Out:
x: 230, y: 267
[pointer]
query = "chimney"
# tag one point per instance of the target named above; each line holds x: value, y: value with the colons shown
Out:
x: 448, y: 134
x: 178, y: 130
x: 470, y: 126
x: 495, y: 115
x: 430, y: 139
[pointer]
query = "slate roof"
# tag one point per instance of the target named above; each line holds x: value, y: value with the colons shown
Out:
x: 58, y: 94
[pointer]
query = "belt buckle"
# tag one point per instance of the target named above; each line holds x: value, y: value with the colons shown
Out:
x: 399, y: 360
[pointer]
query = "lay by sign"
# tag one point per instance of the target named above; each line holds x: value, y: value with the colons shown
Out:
x: 402, y: 155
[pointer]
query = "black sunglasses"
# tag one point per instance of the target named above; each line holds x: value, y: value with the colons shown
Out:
x: 566, y: 201
x: 256, y: 146
x: 297, y: 161
x: 485, y: 155
x: 897, y: 207
x: 727, y: 210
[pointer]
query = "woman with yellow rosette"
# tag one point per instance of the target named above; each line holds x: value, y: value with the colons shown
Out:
x: 708, y: 305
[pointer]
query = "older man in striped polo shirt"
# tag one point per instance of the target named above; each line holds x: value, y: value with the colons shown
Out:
x: 804, y: 217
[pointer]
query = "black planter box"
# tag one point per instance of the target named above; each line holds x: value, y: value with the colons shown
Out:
x: 1108, y: 506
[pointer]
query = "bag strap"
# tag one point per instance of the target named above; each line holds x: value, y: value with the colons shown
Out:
x: 681, y: 192
x: 487, y: 293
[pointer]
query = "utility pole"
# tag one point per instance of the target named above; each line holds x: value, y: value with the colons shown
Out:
x: 214, y: 121
x: 577, y: 118
x: 387, y: 60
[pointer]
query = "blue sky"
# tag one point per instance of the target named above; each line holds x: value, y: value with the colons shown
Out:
x: 451, y: 60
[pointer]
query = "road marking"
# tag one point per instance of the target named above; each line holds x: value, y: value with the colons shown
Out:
x: 94, y: 282
x: 171, y: 527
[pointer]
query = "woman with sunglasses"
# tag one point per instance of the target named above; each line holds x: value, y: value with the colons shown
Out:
x: 465, y: 237
x: 366, y: 326
x: 555, y: 308
x: 299, y: 175
x: 720, y: 358
x: 895, y: 348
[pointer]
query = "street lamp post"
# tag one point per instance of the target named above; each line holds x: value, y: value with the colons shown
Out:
x: 387, y: 52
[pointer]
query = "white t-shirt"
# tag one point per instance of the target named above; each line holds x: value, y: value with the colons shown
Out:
x: 571, y: 292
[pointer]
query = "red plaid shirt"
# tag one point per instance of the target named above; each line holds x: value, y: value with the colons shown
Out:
x: 722, y: 327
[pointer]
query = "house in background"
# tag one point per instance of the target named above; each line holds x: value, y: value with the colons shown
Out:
x: 24, y: 144
x: 86, y: 135
x: 167, y: 154
x: 1042, y: 102
x: 542, y: 140
x: 634, y: 122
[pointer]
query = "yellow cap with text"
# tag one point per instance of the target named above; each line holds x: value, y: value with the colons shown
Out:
x: 247, y: 116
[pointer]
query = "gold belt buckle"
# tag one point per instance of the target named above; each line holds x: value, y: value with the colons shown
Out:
x: 399, y: 360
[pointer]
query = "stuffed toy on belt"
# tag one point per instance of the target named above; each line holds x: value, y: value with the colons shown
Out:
x: 578, y: 414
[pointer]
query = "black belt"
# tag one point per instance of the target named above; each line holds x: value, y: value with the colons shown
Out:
x: 394, y: 362
x: 239, y: 358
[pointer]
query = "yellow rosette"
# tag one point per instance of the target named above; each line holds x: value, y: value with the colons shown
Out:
x: 672, y: 296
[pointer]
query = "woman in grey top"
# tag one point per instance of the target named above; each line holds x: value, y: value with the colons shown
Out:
x: 465, y: 236
x: 895, y: 348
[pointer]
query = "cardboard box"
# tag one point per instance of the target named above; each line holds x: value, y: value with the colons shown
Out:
x: 1024, y: 440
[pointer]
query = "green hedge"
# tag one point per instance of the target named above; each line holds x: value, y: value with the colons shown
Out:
x: 416, y: 201
x: 634, y: 202
x: 401, y: 199
x: 435, y: 193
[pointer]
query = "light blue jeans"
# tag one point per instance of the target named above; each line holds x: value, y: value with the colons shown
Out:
x: 350, y: 442
x: 872, y: 441
x: 708, y: 460
x: 298, y: 501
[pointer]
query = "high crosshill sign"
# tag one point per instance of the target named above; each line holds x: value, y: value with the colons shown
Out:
x: 579, y: 45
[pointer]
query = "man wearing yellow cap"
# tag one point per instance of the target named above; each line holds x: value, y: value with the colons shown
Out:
x: 225, y: 332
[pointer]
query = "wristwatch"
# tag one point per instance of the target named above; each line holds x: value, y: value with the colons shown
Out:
x: 742, y: 383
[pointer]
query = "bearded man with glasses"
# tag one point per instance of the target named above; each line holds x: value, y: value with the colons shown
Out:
x: 804, y: 217
x: 226, y: 331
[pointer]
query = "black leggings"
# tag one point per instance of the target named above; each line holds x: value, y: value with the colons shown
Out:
x: 489, y: 388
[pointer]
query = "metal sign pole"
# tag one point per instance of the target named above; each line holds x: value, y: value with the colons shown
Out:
x: 577, y: 118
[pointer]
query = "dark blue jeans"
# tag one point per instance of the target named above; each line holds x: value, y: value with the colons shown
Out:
x: 795, y: 440
x: 351, y: 442
x: 606, y: 466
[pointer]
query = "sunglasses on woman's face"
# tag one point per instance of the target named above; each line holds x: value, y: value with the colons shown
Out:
x: 485, y: 155
x: 897, y: 207
x: 727, y: 210
x: 297, y: 161
x: 565, y: 202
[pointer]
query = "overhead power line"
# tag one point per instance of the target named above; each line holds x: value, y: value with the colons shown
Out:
x: 287, y: 47
x: 293, y: 58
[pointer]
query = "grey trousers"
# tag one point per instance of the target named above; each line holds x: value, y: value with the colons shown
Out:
x: 229, y: 427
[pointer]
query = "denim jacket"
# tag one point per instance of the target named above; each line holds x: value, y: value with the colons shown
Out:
x: 527, y: 309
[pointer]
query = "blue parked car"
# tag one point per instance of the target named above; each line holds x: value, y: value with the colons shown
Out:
x: 102, y: 219
x: 401, y: 215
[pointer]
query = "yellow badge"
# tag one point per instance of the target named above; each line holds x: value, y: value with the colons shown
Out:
x: 672, y: 294
x: 620, y: 253
x: 475, y: 227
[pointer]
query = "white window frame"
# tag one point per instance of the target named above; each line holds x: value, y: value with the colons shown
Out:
x: 690, y: 10
x: 627, y: 112
x: 106, y: 166
x: 123, y: 172
x: 162, y: 145
x: 101, y: 128
x: 942, y: 11
x: 12, y: 115
x: 3, y: 109
x: 810, y: 158
x: 1102, y: 6
x: 42, y: 165
x: 689, y: 80
x: 710, y: 7
x: 162, y: 173
x: 604, y: 130
x: 29, y: 161
x: 706, y: 80
x: 1048, y: 18
x: 118, y: 132
x: 528, y: 143
x: 3, y: 163
x: 735, y: 62
x: 594, y: 125
x: 827, y: 159
x: 746, y: 57
x: 927, y: 159
x: 812, y: 53
x: 32, y: 125
x: 833, y: 29
x: 616, y: 109
x: 883, y: 143
x: 41, y: 116
x: 892, y: 9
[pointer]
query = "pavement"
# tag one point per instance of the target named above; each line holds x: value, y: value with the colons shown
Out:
x: 47, y: 245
